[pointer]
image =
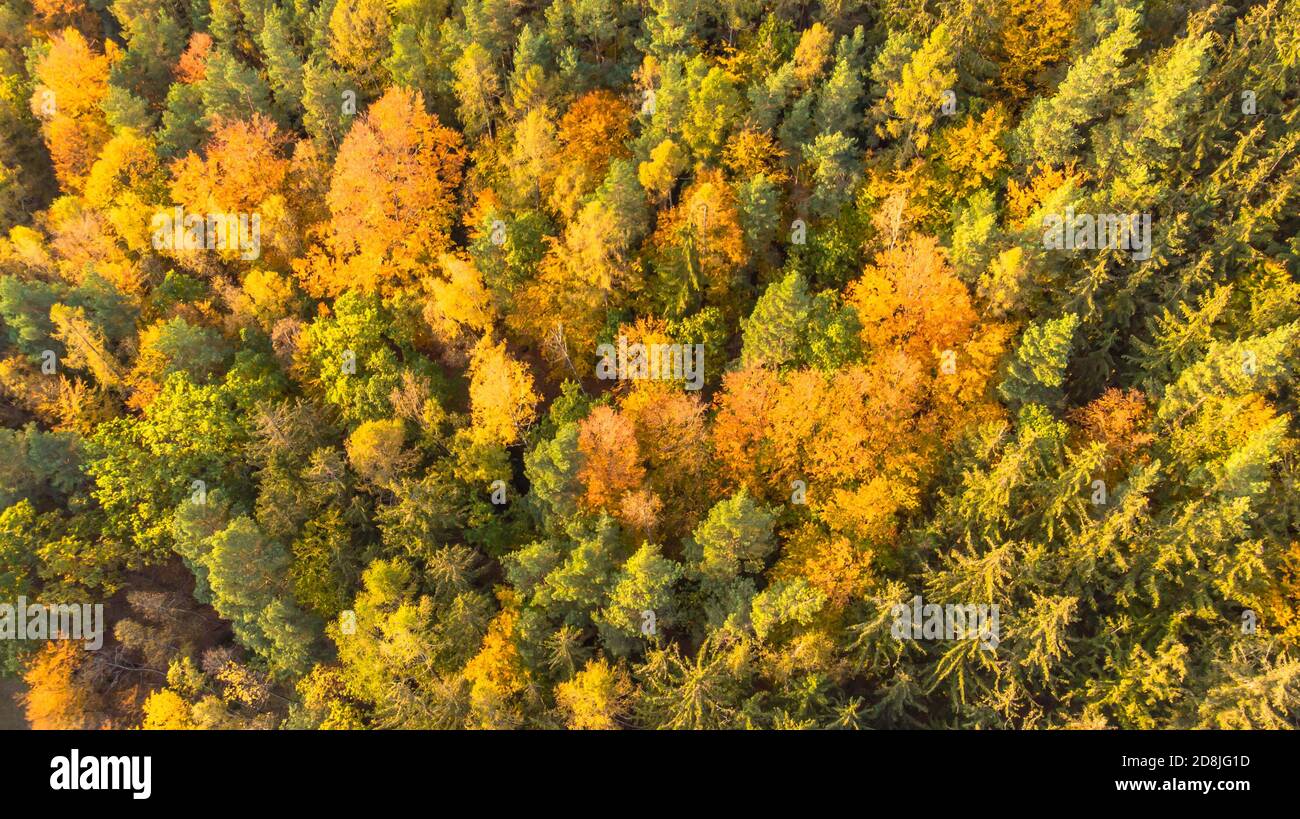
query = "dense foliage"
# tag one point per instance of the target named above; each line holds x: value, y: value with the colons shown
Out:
x: 364, y: 471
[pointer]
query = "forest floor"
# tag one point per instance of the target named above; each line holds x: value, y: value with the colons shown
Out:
x: 11, y: 712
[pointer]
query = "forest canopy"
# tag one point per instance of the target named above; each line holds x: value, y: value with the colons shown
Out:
x: 595, y: 364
